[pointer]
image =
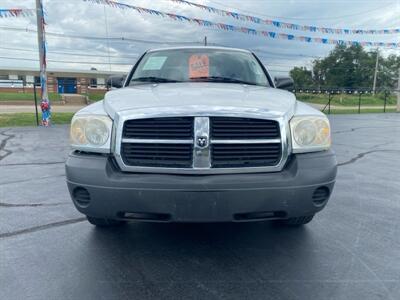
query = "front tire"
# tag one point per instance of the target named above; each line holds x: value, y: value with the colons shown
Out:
x: 99, y: 222
x: 295, y: 222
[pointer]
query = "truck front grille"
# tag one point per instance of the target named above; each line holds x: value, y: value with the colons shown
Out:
x: 193, y: 143
x: 157, y: 155
x: 159, y: 128
x: 228, y: 128
x: 245, y: 155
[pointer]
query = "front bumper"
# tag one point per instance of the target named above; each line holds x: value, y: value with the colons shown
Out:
x: 201, y: 198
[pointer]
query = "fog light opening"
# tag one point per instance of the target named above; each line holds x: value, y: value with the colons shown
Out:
x: 81, y: 196
x: 321, y: 195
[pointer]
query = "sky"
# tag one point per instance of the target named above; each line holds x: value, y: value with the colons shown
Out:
x: 18, y: 49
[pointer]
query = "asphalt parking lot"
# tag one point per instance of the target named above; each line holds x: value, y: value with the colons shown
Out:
x: 351, y: 250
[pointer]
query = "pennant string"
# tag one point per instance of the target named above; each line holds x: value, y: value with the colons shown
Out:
x: 285, y: 25
x: 250, y: 31
x: 16, y: 12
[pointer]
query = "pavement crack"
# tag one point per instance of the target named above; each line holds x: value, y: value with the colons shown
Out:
x: 41, y: 227
x: 31, y: 179
x: 361, y: 155
x: 364, y: 127
x: 3, y: 204
x: 4, y: 143
x: 359, y: 258
x: 35, y: 163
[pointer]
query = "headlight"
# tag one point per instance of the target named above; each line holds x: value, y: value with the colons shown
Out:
x: 96, y: 132
x: 91, y: 133
x: 310, y: 133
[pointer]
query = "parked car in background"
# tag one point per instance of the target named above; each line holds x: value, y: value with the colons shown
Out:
x: 200, y: 134
x: 115, y: 81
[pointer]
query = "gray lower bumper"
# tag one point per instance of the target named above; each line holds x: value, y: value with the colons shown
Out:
x: 205, y: 198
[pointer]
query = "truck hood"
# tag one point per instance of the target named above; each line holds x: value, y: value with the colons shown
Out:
x: 200, y: 98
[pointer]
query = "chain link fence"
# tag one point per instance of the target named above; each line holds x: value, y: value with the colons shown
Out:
x: 349, y: 100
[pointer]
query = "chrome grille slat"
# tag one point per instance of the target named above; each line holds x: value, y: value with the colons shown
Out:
x: 170, y: 145
x: 244, y: 142
x: 249, y: 141
x: 237, y: 128
x: 159, y: 128
x: 245, y: 155
x: 159, y: 141
x: 157, y: 156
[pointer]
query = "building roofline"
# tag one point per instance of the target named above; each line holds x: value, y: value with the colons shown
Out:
x: 55, y: 70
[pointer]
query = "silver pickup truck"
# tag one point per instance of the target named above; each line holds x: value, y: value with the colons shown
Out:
x: 200, y: 134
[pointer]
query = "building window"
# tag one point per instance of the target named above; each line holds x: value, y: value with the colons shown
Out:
x: 37, y: 80
x: 93, y: 82
x: 29, y: 79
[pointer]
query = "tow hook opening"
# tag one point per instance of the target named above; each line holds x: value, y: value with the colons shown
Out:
x: 144, y: 216
x: 266, y: 215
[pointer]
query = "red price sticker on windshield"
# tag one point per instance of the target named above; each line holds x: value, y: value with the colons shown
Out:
x: 198, y: 66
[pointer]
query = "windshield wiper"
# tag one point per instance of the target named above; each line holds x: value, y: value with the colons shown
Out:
x: 222, y: 79
x: 154, y: 79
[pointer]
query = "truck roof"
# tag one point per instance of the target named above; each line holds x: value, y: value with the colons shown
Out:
x: 199, y: 47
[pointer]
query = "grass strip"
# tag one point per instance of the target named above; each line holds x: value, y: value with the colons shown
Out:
x: 29, y: 119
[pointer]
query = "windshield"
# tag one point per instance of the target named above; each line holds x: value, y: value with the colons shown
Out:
x: 199, y: 65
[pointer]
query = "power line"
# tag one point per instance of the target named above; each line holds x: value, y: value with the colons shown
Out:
x: 278, y: 57
x: 108, y: 41
x: 277, y: 23
x: 240, y: 29
x: 124, y: 39
x: 105, y: 63
x: 67, y: 62
x: 280, y: 65
x: 130, y: 63
x: 286, y: 54
x: 69, y: 53
x: 147, y: 41
x: 296, y: 18
x: 63, y: 35
x: 100, y: 63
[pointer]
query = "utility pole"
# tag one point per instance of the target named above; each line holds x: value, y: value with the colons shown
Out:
x: 45, y: 103
x: 376, y: 70
x: 107, y: 35
x: 398, y: 92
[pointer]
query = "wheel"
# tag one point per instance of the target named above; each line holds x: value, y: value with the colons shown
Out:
x: 299, y: 221
x: 104, y: 222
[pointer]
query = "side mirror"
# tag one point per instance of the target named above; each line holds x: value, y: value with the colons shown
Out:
x: 284, y: 83
x: 116, y: 81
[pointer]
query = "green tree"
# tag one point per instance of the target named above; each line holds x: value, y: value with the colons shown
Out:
x: 348, y: 67
x: 345, y: 67
x: 389, y: 72
x: 302, y: 77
